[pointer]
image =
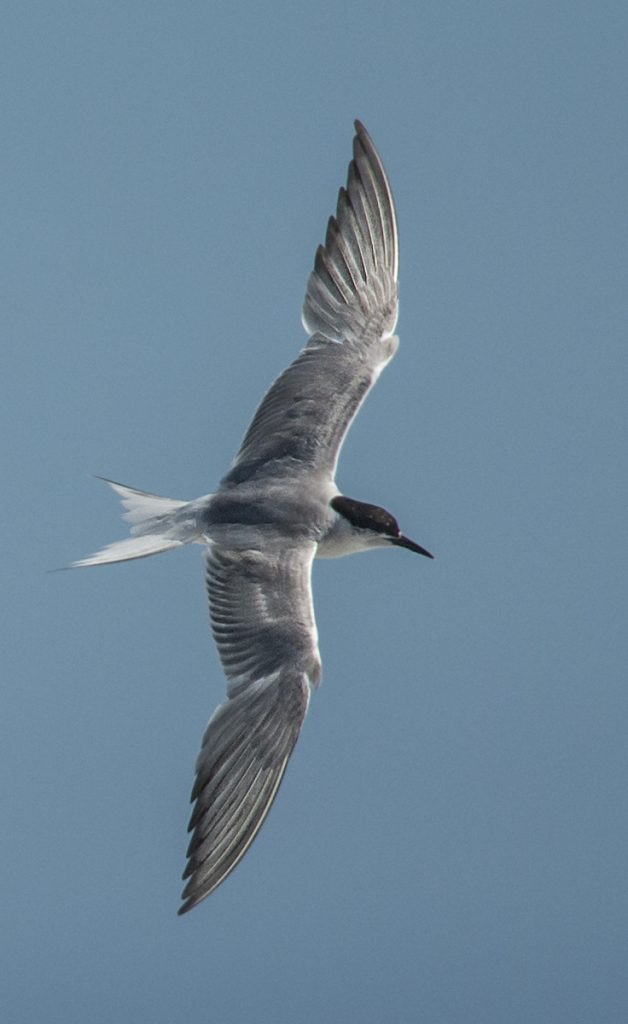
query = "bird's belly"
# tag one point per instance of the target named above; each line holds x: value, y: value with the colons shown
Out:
x: 251, y: 520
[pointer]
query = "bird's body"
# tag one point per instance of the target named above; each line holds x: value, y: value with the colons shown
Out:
x: 277, y: 509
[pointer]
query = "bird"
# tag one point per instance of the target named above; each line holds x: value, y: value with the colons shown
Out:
x: 278, y: 508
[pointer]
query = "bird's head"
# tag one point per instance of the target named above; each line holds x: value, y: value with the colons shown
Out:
x: 369, y: 526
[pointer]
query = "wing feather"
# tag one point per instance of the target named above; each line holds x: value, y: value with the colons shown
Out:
x: 260, y: 601
x: 263, y: 623
x: 350, y: 311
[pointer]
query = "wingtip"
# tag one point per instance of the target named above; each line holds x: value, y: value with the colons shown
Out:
x: 363, y: 136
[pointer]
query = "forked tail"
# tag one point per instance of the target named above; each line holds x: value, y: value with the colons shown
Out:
x: 156, y: 524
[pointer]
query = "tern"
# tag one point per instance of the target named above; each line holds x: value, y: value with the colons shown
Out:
x: 276, y: 510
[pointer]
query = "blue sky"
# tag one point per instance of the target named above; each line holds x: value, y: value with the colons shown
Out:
x: 449, y: 844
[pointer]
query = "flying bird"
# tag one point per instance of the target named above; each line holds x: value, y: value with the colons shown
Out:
x: 276, y: 510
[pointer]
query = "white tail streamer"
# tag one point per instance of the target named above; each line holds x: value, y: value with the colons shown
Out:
x: 156, y: 524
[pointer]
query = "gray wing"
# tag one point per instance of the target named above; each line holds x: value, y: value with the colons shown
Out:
x: 263, y: 624
x: 350, y: 310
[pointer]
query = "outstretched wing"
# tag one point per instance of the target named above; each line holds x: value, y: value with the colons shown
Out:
x: 350, y: 310
x: 263, y: 624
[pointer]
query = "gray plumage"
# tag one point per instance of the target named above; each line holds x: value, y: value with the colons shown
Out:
x: 277, y: 509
